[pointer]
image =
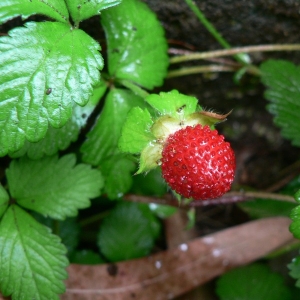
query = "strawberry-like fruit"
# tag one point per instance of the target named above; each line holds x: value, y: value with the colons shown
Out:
x: 197, y: 163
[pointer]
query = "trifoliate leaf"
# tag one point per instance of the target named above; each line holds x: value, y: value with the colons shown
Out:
x: 173, y: 103
x: 44, y: 69
x: 136, y: 132
x: 126, y: 233
x: 294, y: 267
x: 4, y: 199
x: 81, y: 10
x: 60, y: 138
x: 102, y: 140
x: 68, y: 230
x: 255, y: 281
x: 56, y: 9
x: 137, y: 48
x: 117, y: 171
x: 282, y: 78
x: 86, y: 257
x: 295, y: 225
x: 32, y: 260
x: 53, y: 187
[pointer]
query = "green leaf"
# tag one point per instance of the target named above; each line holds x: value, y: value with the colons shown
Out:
x: 60, y: 138
x: 117, y: 171
x: 67, y: 230
x: 137, y: 48
x: 126, y: 233
x: 264, y: 208
x: 103, y: 139
x: 294, y: 267
x: 162, y: 211
x: 255, y: 281
x: 151, y: 184
x: 295, y: 225
x: 173, y: 103
x: 4, y: 200
x: 32, y: 260
x: 86, y: 257
x: 136, y: 132
x: 56, y: 9
x: 58, y: 187
x: 282, y: 78
x: 45, y: 68
x: 81, y: 10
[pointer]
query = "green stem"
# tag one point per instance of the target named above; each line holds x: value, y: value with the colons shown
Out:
x: 200, y: 69
x: 242, y: 58
x: 134, y: 88
x: 93, y: 218
x: 230, y: 52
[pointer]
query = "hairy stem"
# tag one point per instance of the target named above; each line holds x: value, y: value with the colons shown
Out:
x: 229, y: 52
x: 134, y: 88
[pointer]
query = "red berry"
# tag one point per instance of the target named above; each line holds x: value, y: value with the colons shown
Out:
x: 197, y: 163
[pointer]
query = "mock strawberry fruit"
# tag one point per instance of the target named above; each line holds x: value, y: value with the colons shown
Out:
x: 197, y: 163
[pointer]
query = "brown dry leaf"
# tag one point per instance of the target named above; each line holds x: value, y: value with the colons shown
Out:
x: 174, y: 272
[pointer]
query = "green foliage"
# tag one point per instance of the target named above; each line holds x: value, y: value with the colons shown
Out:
x: 294, y: 268
x: 81, y: 10
x: 43, y: 77
x: 53, y: 187
x: 60, y: 138
x: 127, y: 232
x: 13, y: 8
x: 117, y: 171
x: 86, y: 257
x: 255, y: 281
x: 32, y: 260
x: 282, y: 78
x: 137, y: 49
x: 173, y: 104
x: 264, y: 208
x: 4, y: 199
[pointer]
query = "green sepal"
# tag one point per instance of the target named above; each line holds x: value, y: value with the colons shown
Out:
x: 4, y: 200
x: 173, y: 103
x: 150, y: 157
x: 136, y: 132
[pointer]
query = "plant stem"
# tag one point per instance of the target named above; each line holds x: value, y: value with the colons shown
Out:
x: 134, y: 88
x: 94, y: 218
x: 200, y: 69
x: 229, y: 52
x: 244, y: 59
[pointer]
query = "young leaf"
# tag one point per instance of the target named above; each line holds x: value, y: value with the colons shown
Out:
x: 60, y: 138
x: 4, y: 199
x: 282, y: 78
x: 137, y: 48
x: 103, y: 139
x: 32, y: 260
x: 173, y: 103
x: 255, y: 281
x: 53, y: 187
x: 294, y: 267
x: 81, y: 10
x: 45, y: 68
x: 136, y: 132
x: 117, y: 171
x: 126, y: 233
x: 56, y: 9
